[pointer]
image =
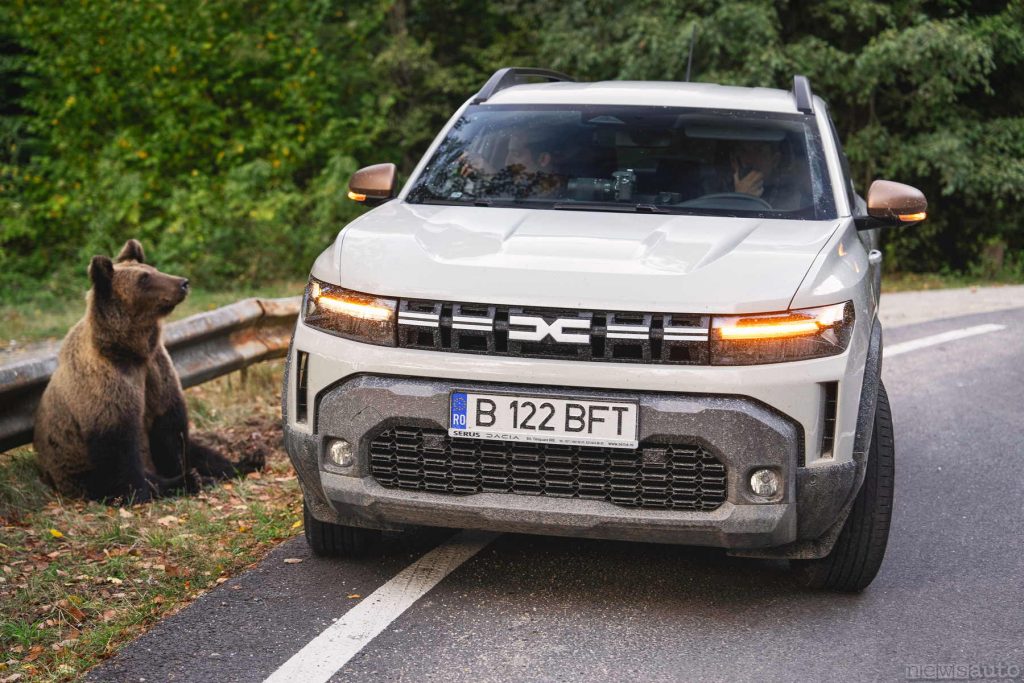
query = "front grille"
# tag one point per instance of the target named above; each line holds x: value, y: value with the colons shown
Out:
x: 581, y: 334
x: 655, y: 476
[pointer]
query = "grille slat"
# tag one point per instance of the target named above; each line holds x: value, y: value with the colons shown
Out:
x: 621, y: 337
x: 666, y: 477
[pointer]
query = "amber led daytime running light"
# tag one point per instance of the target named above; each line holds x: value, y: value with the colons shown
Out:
x: 787, y: 328
x: 356, y: 309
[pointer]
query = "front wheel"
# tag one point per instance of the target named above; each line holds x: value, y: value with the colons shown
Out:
x: 333, y: 540
x: 858, y: 552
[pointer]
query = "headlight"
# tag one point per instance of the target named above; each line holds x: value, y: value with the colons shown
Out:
x: 349, y: 314
x: 777, y: 337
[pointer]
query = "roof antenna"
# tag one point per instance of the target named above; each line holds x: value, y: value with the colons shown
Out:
x: 689, y: 60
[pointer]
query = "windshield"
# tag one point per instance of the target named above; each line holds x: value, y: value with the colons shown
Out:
x: 624, y: 158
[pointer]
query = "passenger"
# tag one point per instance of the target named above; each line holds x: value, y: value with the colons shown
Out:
x: 528, y: 171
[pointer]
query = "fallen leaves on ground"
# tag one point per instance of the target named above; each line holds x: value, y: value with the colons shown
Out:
x: 77, y: 580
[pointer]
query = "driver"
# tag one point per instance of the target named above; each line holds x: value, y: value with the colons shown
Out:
x: 757, y: 170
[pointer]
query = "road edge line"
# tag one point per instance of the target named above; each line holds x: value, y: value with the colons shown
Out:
x: 942, y: 338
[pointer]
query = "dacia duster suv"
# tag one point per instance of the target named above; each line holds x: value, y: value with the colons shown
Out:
x: 620, y: 310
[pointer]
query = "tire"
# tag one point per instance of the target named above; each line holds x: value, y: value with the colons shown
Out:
x: 858, y: 552
x: 334, y: 540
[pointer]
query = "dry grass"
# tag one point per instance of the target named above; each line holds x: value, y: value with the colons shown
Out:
x: 78, y: 580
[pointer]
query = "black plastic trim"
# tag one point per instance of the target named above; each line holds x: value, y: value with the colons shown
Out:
x: 869, y: 394
x: 803, y: 95
x: 873, y: 223
x: 655, y: 475
x: 301, y: 387
x: 828, y: 432
x: 515, y: 75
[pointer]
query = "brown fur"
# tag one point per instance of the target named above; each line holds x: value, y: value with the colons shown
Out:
x: 112, y: 424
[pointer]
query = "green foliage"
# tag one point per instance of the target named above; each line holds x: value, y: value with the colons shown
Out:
x: 218, y: 133
x: 223, y: 133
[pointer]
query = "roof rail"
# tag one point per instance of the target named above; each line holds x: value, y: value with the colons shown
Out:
x: 802, y: 94
x: 515, y: 75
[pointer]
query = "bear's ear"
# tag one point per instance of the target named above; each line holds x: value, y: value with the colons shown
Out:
x: 132, y: 251
x: 101, y: 272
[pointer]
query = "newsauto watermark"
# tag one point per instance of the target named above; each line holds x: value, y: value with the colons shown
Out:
x: 956, y: 671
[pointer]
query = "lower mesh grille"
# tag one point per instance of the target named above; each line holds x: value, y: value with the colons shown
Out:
x: 656, y: 476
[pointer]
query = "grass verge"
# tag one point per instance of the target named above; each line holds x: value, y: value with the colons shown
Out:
x: 78, y: 580
x: 906, y: 282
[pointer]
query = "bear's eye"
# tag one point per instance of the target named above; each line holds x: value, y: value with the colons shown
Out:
x: 144, y: 279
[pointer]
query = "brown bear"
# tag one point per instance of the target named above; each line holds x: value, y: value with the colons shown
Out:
x: 112, y: 423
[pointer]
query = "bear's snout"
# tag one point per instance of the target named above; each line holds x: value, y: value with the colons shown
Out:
x: 173, y: 291
x: 181, y: 291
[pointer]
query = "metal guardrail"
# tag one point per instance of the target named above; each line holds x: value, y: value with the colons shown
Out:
x: 203, y: 346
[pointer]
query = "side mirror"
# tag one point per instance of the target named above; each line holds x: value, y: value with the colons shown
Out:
x: 891, y: 204
x: 372, y: 185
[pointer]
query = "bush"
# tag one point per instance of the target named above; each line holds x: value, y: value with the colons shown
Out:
x: 218, y: 133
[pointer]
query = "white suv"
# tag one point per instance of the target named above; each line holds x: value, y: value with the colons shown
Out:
x: 622, y: 310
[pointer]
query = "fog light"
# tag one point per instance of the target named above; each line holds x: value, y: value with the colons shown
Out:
x: 340, y: 452
x: 764, y: 483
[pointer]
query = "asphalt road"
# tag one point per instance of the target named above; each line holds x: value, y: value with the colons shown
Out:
x: 951, y: 590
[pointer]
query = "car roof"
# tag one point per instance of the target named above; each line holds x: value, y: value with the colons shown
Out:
x: 650, y: 93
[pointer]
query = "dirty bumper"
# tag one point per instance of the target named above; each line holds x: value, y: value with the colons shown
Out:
x: 741, y: 433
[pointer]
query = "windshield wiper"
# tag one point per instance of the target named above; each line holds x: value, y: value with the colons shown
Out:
x: 607, y: 206
x: 449, y: 201
x: 564, y: 206
x: 651, y: 208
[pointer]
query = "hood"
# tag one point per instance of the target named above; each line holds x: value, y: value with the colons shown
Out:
x: 576, y: 259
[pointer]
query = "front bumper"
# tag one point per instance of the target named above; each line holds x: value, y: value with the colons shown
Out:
x: 744, y: 434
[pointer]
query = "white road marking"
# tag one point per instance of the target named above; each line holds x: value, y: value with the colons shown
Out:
x: 915, y: 344
x: 323, y: 656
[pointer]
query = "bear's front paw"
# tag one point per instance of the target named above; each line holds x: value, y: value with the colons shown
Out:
x: 253, y: 460
x: 197, y: 482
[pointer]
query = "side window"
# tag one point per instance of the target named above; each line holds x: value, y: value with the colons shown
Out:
x: 856, y: 203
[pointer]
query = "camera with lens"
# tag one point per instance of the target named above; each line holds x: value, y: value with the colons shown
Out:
x: 618, y: 188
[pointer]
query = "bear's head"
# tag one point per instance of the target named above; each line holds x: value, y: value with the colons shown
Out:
x: 131, y: 291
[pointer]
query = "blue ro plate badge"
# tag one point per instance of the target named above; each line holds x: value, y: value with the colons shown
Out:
x: 544, y: 419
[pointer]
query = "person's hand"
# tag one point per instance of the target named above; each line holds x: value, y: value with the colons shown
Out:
x: 752, y: 183
x: 472, y: 165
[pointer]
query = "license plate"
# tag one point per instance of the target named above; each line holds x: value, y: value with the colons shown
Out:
x: 543, y: 419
